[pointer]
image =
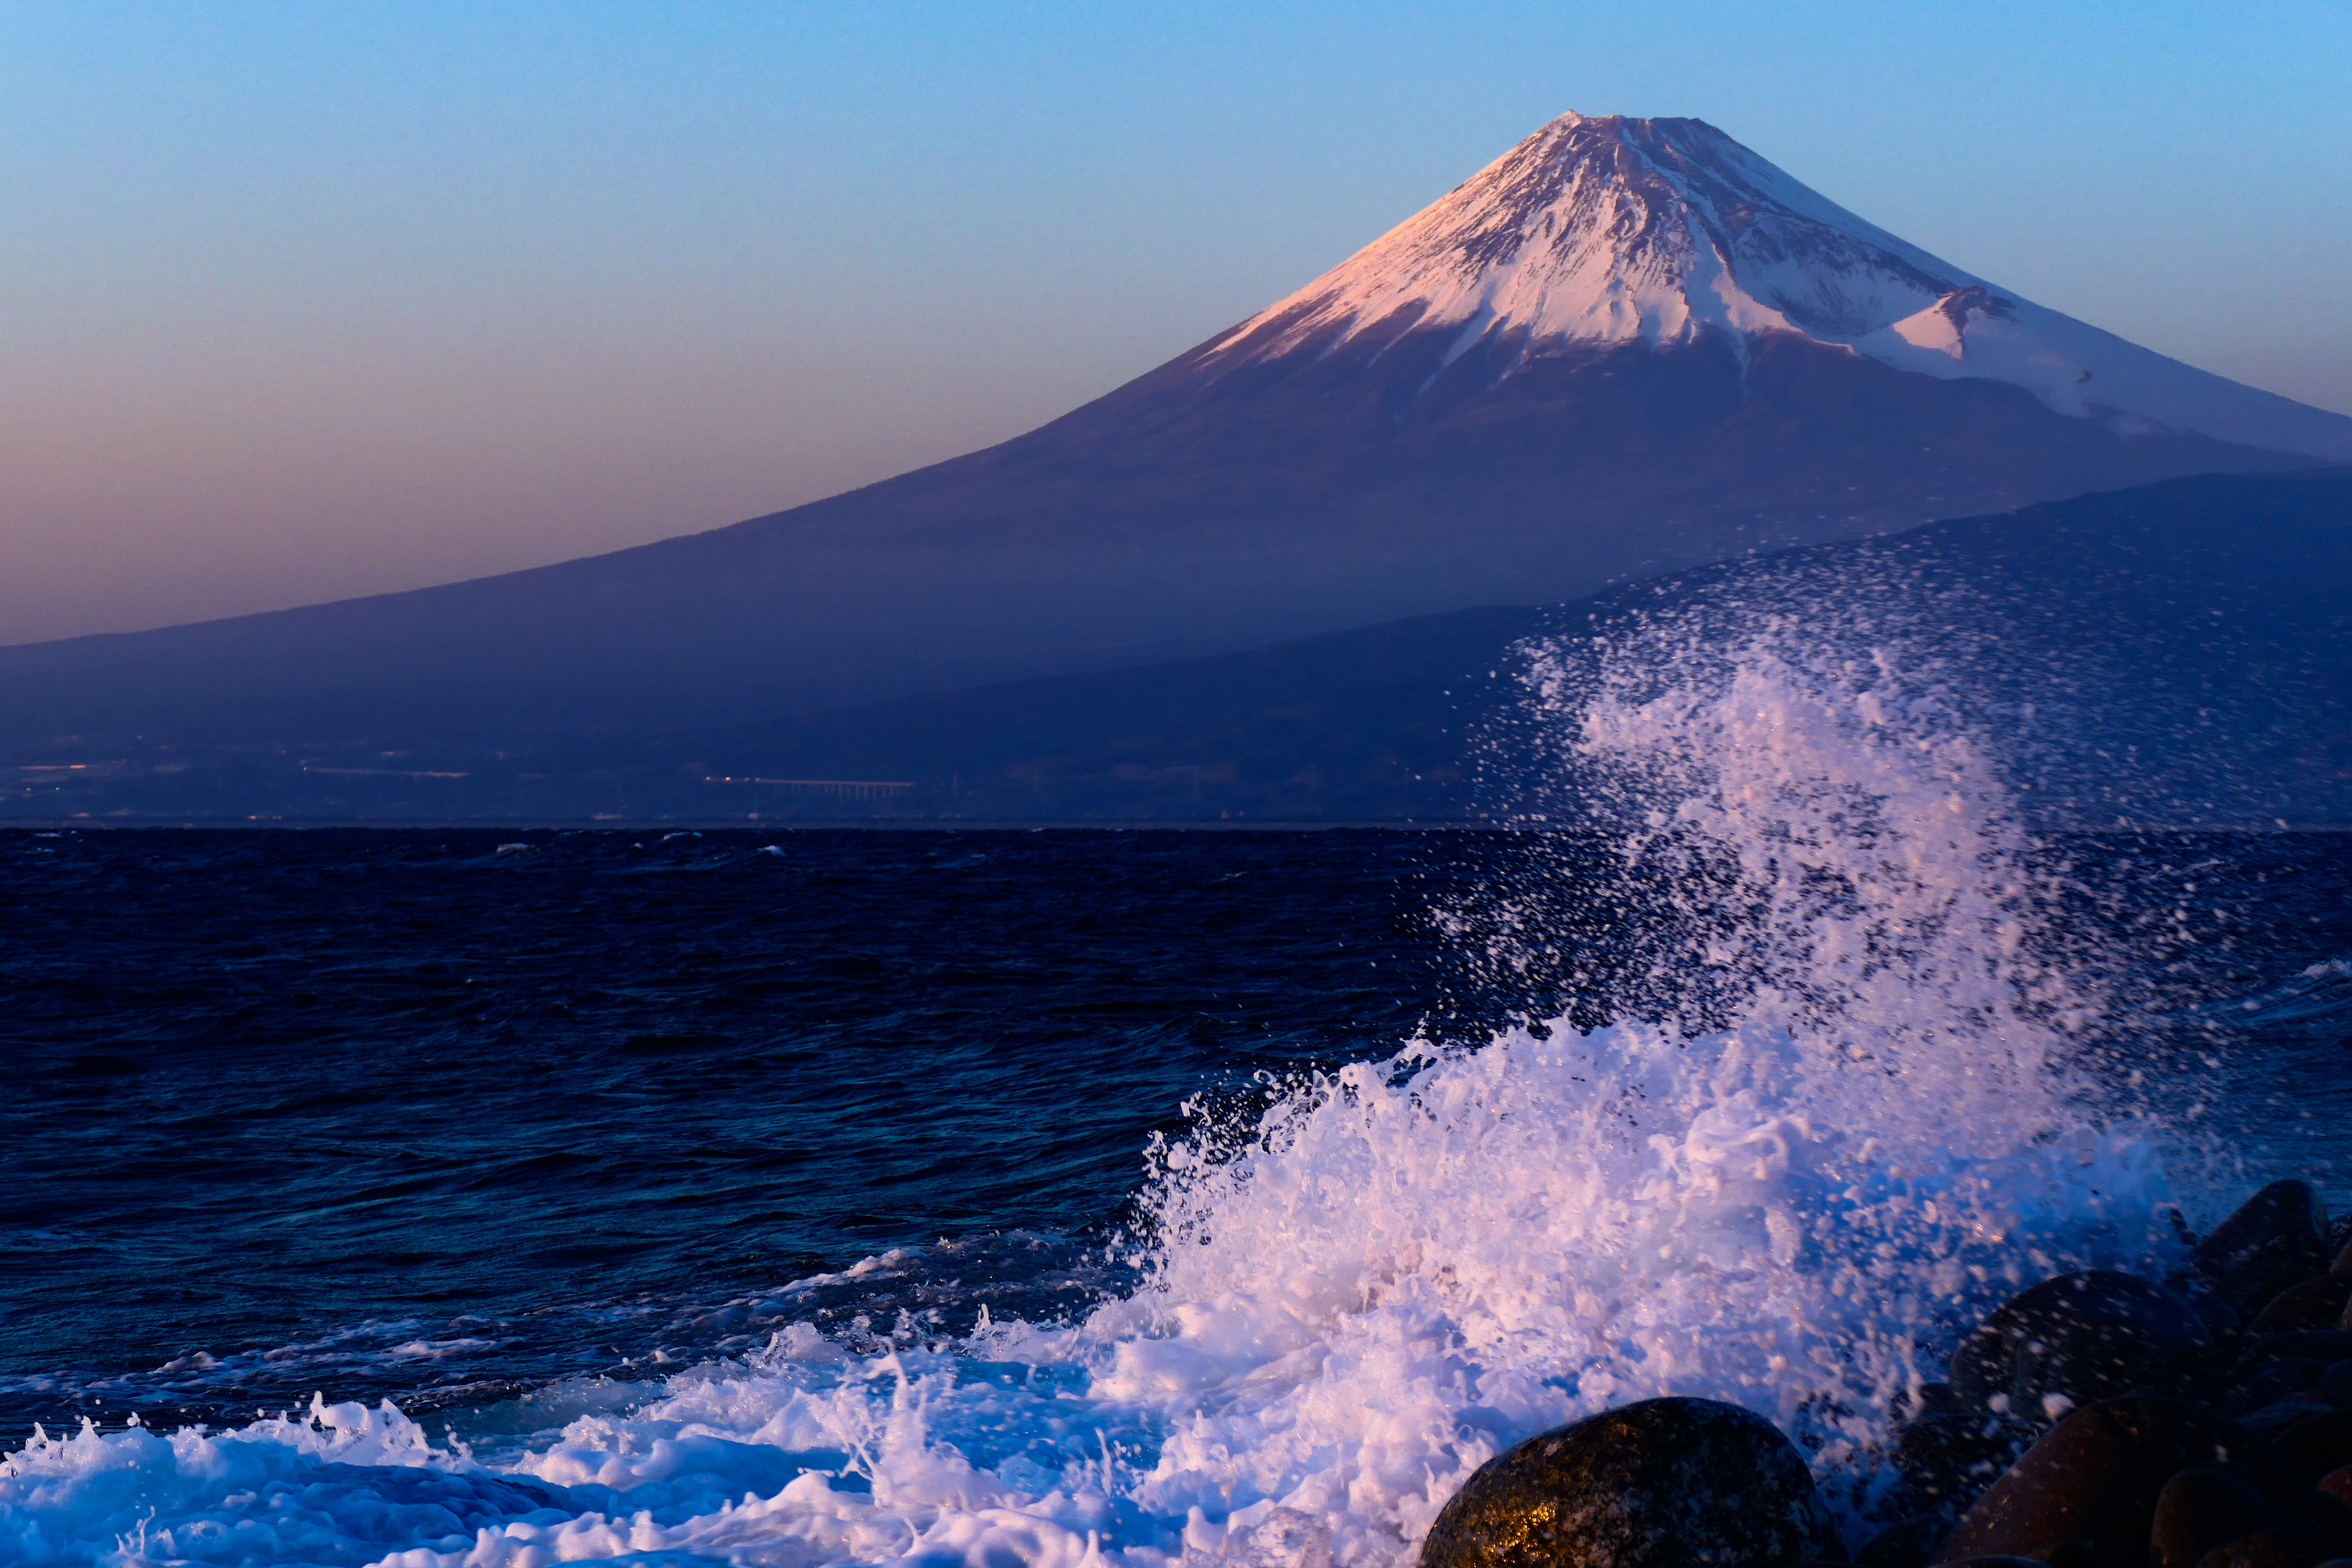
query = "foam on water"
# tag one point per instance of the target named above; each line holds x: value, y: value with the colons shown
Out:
x: 1356, y: 1296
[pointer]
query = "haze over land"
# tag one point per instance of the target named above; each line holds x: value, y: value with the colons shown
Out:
x: 315, y: 303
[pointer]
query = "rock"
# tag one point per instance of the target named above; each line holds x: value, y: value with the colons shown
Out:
x: 2324, y: 1346
x: 2313, y: 1304
x: 2276, y: 1238
x: 2094, y: 1479
x: 2075, y: 1340
x: 2271, y: 1420
x: 1933, y: 1453
x: 2337, y: 1484
x: 2267, y: 1382
x: 2310, y: 1447
x: 1666, y: 1483
x: 1910, y: 1544
x: 1946, y: 1462
x: 2209, y: 1507
x: 2221, y: 1320
x: 2336, y: 1383
x: 2264, y: 1549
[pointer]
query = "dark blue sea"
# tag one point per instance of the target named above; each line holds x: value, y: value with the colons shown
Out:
x: 287, y: 1100
x: 1063, y: 1196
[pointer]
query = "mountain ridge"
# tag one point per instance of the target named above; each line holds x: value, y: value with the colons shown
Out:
x: 1220, y: 501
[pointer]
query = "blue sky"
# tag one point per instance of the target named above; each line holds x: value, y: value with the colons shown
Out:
x: 310, y: 300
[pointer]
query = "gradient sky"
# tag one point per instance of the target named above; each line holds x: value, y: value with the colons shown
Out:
x: 304, y: 300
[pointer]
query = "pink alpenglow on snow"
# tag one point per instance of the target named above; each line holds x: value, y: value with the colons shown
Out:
x: 1607, y: 230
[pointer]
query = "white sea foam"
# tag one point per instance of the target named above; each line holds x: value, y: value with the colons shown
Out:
x: 1399, y: 1269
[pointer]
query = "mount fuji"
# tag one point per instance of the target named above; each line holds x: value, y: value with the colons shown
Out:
x: 1595, y: 232
x: 1624, y: 348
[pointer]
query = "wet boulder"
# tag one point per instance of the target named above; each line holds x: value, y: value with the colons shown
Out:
x: 1907, y: 1543
x: 2262, y: 1517
x: 1946, y: 1463
x: 2268, y: 1421
x: 2222, y: 1319
x: 2087, y: 1490
x: 2268, y: 1381
x: 1946, y: 1457
x: 2278, y: 1237
x: 2339, y: 1243
x: 2324, y: 1346
x: 2313, y: 1445
x: 2075, y: 1340
x: 2313, y: 1304
x: 1666, y: 1483
x: 2264, y: 1549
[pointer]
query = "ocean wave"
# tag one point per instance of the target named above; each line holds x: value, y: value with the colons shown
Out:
x: 1858, y: 1112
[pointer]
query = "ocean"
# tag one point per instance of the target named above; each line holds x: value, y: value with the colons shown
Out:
x: 1058, y: 1197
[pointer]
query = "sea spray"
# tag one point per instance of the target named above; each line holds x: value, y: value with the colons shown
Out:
x: 1409, y: 1264
x: 1841, y: 1117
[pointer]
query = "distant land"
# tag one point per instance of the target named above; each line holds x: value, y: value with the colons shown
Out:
x: 2174, y: 654
x: 1270, y: 577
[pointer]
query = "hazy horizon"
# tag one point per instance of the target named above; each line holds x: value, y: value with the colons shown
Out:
x: 312, y: 305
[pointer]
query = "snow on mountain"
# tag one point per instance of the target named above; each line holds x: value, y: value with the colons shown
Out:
x: 1606, y: 230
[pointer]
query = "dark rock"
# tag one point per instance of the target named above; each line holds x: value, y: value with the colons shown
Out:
x: 2313, y: 1304
x: 2207, y: 1507
x: 2336, y: 1384
x: 2075, y: 1340
x: 1929, y: 1399
x: 2309, y: 1449
x: 2221, y: 1320
x: 1910, y: 1544
x: 1946, y: 1462
x: 2264, y: 1549
x: 2337, y: 1484
x: 2267, y: 1382
x: 2302, y: 1345
x: 2094, y: 1478
x: 1666, y: 1483
x: 2276, y: 1418
x: 2278, y: 1238
x: 1931, y: 1454
x: 2339, y: 1243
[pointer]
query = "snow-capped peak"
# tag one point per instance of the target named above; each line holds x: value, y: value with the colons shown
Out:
x: 1604, y: 230
x: 1607, y: 230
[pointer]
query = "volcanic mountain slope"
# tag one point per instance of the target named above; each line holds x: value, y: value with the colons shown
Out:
x: 1594, y: 232
x: 2178, y: 654
x: 1625, y: 347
